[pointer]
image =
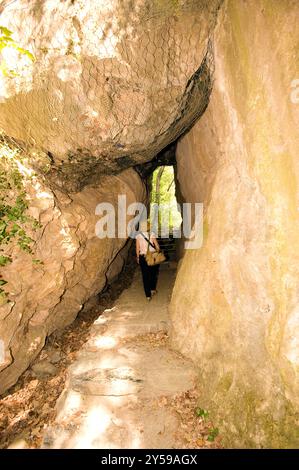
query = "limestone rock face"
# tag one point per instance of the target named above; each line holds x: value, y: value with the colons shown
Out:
x: 112, y: 84
x: 72, y: 266
x: 235, y: 302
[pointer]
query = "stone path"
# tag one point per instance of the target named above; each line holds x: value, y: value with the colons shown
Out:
x: 112, y: 390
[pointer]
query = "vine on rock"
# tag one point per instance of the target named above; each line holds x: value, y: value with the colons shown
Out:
x: 13, y: 202
x: 7, y: 42
x: 14, y: 222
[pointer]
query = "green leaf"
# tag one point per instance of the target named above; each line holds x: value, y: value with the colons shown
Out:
x: 5, y: 31
x: 23, y: 51
x: 29, y: 54
x: 4, y: 260
x: 213, y: 433
x: 201, y: 413
x: 6, y: 41
x: 2, y: 282
x: 14, y: 220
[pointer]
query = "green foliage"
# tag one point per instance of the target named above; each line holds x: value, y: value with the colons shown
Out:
x: 4, y: 260
x: 201, y: 413
x: 213, y: 433
x: 166, y: 197
x: 7, y: 42
x: 11, y: 216
x: 13, y: 204
x: 14, y: 221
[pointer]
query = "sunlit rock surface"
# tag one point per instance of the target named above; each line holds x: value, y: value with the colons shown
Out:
x: 235, y: 302
x: 113, y: 82
x: 71, y: 268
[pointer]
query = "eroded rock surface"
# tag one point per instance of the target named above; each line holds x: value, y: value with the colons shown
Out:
x: 235, y: 301
x: 113, y: 82
x: 72, y: 266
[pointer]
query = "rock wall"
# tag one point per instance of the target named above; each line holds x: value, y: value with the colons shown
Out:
x: 73, y: 264
x: 235, y: 302
x: 112, y: 84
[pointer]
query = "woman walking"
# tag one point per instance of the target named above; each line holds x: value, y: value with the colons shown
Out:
x: 144, y: 241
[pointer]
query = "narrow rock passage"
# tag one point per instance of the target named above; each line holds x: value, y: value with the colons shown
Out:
x: 117, y: 390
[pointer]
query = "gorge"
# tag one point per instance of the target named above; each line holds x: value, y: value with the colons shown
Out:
x: 116, y: 89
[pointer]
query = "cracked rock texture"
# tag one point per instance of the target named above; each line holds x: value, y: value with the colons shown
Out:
x: 74, y: 265
x: 113, y: 82
x: 235, y: 301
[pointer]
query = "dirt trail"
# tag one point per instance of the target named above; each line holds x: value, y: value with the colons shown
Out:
x: 124, y: 387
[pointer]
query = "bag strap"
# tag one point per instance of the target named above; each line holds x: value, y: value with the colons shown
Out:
x: 153, y: 246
